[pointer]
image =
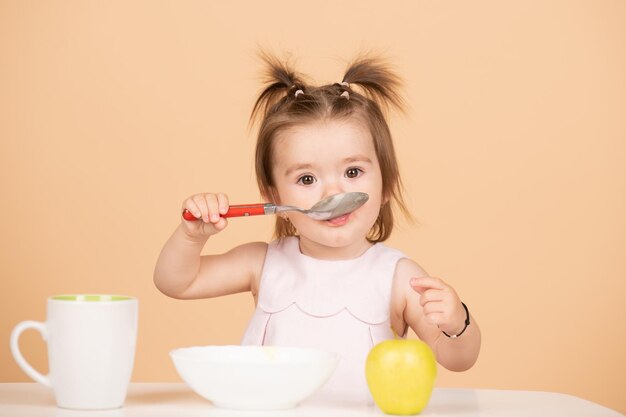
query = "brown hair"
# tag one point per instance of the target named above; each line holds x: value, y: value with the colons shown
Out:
x: 281, y: 106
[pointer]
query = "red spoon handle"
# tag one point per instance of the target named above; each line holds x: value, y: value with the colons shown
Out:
x: 234, y: 211
x: 245, y: 210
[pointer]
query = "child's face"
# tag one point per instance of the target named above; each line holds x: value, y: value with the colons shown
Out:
x: 317, y: 160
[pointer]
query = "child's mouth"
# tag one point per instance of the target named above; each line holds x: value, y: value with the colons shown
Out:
x: 339, y: 221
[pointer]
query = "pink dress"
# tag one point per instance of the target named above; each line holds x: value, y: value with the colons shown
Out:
x: 340, y: 306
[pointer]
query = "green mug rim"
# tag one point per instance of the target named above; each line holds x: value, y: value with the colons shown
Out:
x: 102, y: 298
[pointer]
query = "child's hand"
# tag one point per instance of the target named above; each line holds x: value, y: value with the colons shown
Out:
x: 207, y: 208
x: 440, y: 303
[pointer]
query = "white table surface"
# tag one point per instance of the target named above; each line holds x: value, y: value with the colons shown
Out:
x: 176, y: 399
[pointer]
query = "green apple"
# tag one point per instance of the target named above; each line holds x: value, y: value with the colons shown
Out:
x: 401, y: 375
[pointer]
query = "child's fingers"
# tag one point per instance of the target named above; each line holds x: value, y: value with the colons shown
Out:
x: 424, y: 283
x: 442, y: 315
x: 415, y: 284
x: 429, y: 295
x: 433, y: 311
x: 221, y: 224
x: 192, y: 207
x: 433, y: 307
x: 207, y: 206
x: 200, y: 202
x: 213, y: 215
x: 435, y: 318
x: 427, y: 282
x: 222, y: 202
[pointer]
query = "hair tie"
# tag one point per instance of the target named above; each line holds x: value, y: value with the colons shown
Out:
x: 298, y: 92
x: 345, y: 95
x: 345, y: 84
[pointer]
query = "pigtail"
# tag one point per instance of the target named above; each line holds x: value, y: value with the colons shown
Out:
x: 280, y: 79
x: 377, y: 80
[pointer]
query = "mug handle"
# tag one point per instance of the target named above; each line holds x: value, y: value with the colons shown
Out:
x: 17, y: 355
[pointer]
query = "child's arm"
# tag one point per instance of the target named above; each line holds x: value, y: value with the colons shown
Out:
x: 181, y: 272
x: 430, y: 307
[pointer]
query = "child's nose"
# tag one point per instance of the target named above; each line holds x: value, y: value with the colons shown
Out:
x: 332, y: 189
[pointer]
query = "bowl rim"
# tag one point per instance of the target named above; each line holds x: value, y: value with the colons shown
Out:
x: 178, y: 353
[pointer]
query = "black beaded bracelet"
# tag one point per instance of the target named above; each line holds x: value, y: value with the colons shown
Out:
x: 467, y: 322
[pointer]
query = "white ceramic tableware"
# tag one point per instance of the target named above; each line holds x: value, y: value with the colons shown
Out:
x: 91, y: 348
x: 254, y: 377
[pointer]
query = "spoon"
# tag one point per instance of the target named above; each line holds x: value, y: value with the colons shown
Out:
x: 329, y: 208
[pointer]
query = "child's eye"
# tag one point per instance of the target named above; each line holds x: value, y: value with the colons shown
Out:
x: 353, y: 172
x: 306, y: 180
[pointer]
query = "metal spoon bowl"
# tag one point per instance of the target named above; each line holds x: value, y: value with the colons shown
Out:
x: 331, y: 207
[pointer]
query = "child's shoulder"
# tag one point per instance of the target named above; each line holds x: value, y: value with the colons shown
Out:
x: 252, y: 248
x: 405, y: 265
x: 251, y: 254
x: 407, y: 268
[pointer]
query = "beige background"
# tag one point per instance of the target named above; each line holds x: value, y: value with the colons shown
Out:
x: 513, y: 152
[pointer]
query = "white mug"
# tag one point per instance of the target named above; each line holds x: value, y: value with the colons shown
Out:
x: 91, y: 349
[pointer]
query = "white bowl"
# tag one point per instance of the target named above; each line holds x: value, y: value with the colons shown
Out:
x: 254, y: 377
